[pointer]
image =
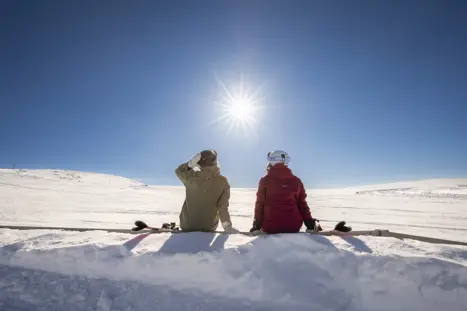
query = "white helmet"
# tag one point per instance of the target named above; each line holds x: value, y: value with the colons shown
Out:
x: 278, y: 156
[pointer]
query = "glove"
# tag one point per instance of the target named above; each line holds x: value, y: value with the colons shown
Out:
x: 313, y: 225
x: 342, y: 227
x: 256, y: 226
x: 255, y: 232
x: 228, y: 228
x: 194, y: 161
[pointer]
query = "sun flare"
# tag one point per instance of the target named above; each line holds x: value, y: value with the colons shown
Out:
x: 239, y: 108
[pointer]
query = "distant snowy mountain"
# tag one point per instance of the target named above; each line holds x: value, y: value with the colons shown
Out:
x: 455, y: 188
x: 12, y: 176
x: 432, y: 188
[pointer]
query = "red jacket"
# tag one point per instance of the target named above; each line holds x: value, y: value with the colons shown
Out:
x: 281, y: 205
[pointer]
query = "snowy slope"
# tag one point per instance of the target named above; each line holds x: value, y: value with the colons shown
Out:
x: 43, y: 197
x: 58, y: 270
x: 434, y: 188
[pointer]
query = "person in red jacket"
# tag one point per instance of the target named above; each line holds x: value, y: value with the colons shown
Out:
x: 281, y: 205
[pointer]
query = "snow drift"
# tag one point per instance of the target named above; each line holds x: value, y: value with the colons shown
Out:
x: 59, y: 270
x: 204, y: 271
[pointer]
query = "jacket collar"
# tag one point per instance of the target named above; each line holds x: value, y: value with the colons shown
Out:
x: 279, y: 170
x: 209, y: 171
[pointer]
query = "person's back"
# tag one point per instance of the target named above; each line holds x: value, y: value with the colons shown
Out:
x: 207, y: 194
x: 281, y: 205
x: 281, y: 212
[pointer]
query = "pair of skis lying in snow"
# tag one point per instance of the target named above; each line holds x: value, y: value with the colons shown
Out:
x: 142, y: 227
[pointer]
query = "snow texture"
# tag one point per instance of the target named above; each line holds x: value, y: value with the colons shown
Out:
x: 96, y: 270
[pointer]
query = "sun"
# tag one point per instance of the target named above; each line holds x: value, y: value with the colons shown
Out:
x: 239, y: 108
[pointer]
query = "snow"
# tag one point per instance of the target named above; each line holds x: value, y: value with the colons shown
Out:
x: 97, y: 270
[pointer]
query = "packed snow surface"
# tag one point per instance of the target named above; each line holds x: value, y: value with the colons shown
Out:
x: 97, y: 270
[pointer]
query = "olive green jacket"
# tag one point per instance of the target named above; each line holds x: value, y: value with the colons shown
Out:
x: 207, y: 198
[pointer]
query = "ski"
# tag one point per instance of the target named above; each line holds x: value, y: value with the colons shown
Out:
x: 141, y: 226
x: 151, y: 230
x: 374, y: 232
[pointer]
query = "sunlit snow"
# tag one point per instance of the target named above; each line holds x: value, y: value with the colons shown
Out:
x: 97, y: 270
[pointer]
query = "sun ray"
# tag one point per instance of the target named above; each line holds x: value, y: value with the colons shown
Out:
x: 223, y: 117
x: 241, y: 85
x: 231, y: 126
x: 225, y: 88
x: 250, y: 122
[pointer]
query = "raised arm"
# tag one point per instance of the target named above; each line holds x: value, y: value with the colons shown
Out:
x: 185, y: 173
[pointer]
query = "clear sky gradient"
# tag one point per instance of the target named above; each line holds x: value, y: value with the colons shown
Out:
x: 357, y: 92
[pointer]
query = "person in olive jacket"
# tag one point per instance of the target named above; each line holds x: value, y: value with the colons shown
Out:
x: 207, y: 194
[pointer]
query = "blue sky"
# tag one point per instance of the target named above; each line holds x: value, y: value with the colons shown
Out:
x: 357, y: 92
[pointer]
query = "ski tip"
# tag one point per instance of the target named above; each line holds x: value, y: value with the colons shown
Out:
x: 341, y: 226
x: 140, y: 225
